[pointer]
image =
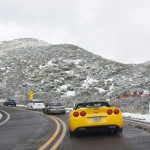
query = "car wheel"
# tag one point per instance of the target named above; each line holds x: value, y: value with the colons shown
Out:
x: 120, y: 131
x: 113, y: 132
x: 71, y: 133
x: 44, y: 111
x: 48, y: 112
x: 63, y: 113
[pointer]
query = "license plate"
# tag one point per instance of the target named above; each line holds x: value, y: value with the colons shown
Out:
x: 96, y: 119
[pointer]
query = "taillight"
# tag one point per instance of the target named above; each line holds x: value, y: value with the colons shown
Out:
x: 75, y: 114
x: 116, y: 111
x: 82, y: 113
x: 109, y: 111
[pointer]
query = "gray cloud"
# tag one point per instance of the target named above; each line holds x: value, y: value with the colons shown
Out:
x: 117, y: 30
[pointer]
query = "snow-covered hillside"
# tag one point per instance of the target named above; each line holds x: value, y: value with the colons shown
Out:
x: 66, y: 73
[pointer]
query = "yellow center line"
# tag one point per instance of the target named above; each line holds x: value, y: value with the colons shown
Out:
x: 45, y: 145
x: 58, y: 142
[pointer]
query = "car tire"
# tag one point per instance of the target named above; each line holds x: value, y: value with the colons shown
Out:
x: 44, y: 111
x: 121, y: 130
x: 63, y: 113
x: 113, y: 132
x: 71, y: 133
x: 48, y: 112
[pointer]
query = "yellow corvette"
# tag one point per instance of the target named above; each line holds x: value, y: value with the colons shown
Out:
x: 95, y: 116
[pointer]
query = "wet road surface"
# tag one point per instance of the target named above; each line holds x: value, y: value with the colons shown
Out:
x: 27, y: 130
x: 24, y: 130
x: 131, y: 139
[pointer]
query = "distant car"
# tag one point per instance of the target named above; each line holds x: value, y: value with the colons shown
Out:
x: 95, y: 116
x: 10, y: 102
x: 54, y: 108
x: 36, y: 104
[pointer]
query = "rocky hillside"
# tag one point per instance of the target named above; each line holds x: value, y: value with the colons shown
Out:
x: 66, y: 73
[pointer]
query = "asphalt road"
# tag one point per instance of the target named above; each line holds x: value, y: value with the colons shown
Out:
x: 27, y: 130
x: 131, y: 139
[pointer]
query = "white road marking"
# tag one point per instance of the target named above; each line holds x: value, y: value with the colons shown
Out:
x: 1, y: 116
x: 8, y: 117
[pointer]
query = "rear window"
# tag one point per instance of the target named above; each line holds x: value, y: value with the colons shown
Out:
x: 38, y: 102
x: 92, y: 105
x: 55, y: 104
x: 10, y: 100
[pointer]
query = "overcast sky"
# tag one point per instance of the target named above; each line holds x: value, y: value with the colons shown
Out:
x: 114, y: 29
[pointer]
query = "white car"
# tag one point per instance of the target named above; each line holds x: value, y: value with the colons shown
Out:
x: 36, y: 104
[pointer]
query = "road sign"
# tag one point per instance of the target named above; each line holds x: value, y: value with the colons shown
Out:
x: 31, y: 94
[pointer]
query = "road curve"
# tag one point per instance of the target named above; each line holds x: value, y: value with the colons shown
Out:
x: 5, y: 117
x: 30, y: 131
x: 25, y: 130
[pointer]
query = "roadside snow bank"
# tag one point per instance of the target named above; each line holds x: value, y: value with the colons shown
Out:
x: 68, y: 110
x: 138, y: 117
x: 19, y: 105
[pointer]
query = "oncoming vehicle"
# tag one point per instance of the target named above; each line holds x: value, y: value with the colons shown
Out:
x: 36, y: 104
x: 54, y: 108
x: 10, y: 102
x: 95, y: 116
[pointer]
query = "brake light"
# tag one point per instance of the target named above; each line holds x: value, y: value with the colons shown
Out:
x: 109, y: 111
x: 116, y: 111
x: 82, y: 113
x: 75, y: 114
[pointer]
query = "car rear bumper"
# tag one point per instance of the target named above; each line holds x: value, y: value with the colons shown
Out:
x: 88, y: 122
x: 98, y: 128
x: 55, y: 111
x: 38, y: 108
x: 12, y: 104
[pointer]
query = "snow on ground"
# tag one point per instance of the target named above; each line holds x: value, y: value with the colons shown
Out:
x: 1, y: 116
x: 50, y: 63
x: 138, y: 117
x: 70, y: 93
x: 19, y: 105
x: 100, y: 90
x: 68, y: 110
x: 70, y: 72
x: 63, y: 87
x: 88, y: 81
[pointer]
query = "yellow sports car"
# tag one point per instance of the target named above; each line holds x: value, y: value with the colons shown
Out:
x: 95, y: 116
